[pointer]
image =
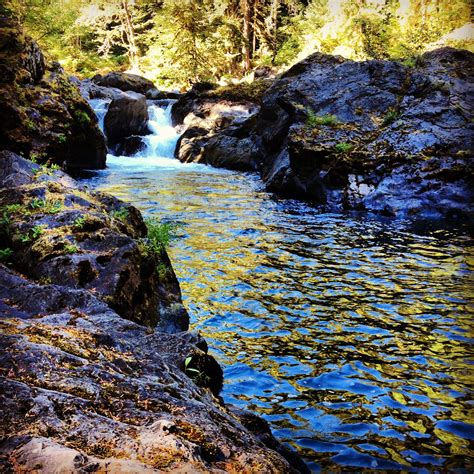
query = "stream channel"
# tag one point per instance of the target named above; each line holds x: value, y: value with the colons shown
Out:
x: 350, y: 334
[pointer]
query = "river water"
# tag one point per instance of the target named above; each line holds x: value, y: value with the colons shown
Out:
x: 351, y: 335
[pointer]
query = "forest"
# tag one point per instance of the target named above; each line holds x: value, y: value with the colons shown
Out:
x: 179, y: 42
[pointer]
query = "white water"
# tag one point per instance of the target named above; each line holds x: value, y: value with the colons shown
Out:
x: 159, y: 145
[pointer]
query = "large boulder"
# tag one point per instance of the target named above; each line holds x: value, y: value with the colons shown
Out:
x: 391, y: 139
x: 44, y: 116
x: 63, y: 235
x: 127, y: 115
x: 124, y: 81
x: 371, y: 135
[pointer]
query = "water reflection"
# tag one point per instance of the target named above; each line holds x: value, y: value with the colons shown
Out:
x: 352, y: 336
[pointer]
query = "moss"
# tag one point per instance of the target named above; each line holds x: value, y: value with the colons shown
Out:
x: 82, y: 117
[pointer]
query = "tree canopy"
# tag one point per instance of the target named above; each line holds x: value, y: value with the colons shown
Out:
x: 179, y: 42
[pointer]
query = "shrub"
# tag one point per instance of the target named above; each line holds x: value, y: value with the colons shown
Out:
x: 160, y: 234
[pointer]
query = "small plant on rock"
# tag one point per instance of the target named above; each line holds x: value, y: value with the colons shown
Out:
x: 71, y: 248
x: 390, y: 117
x: 314, y: 120
x: 79, y: 222
x: 47, y: 206
x: 120, y: 214
x: 82, y: 117
x: 5, y: 254
x: 343, y: 147
x: 160, y: 234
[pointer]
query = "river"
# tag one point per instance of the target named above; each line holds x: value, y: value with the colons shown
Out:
x: 350, y: 334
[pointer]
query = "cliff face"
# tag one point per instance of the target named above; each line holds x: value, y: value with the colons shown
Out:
x: 44, y: 116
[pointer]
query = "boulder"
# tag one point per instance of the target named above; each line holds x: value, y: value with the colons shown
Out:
x: 127, y: 115
x: 84, y: 390
x: 44, y: 116
x: 399, y: 142
x: 61, y: 234
x: 371, y: 135
x: 124, y: 81
x: 130, y: 146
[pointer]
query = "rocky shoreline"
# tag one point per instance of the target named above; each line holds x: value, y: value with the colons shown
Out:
x: 98, y: 371
x: 376, y: 136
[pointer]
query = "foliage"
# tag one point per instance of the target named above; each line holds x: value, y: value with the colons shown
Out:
x: 160, y: 234
x: 70, y: 248
x: 181, y: 42
x: 79, y: 222
x: 343, y: 147
x: 119, y: 214
x: 390, y: 117
x: 45, y: 205
x: 5, y: 254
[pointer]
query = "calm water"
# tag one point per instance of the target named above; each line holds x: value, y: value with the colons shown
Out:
x: 351, y: 335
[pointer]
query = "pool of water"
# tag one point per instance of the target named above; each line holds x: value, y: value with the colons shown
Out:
x: 351, y: 335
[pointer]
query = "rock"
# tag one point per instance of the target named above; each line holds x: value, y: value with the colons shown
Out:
x: 92, y: 349
x: 202, y: 141
x: 131, y: 146
x: 84, y: 390
x: 371, y: 135
x: 154, y: 94
x: 224, y: 151
x: 124, y: 81
x: 127, y: 115
x: 61, y: 234
x: 43, y: 114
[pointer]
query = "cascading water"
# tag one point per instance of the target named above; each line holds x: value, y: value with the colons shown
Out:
x: 351, y: 335
x: 159, y: 144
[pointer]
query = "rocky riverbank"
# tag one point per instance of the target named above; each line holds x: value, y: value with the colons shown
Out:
x: 98, y: 371
x: 378, y: 136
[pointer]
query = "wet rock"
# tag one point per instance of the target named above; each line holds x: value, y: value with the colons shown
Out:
x: 208, y: 133
x: 124, y: 81
x: 371, y: 135
x: 43, y: 114
x: 127, y: 115
x: 130, y: 146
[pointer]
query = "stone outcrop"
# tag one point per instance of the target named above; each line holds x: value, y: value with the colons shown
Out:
x: 373, y: 135
x: 44, y: 116
x: 213, y: 121
x: 96, y: 371
x: 62, y: 234
x: 126, y: 116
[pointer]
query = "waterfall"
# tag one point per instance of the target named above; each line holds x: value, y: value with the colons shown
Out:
x: 159, y: 144
x: 100, y: 107
x: 162, y: 141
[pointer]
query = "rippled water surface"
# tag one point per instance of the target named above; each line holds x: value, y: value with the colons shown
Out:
x: 350, y: 335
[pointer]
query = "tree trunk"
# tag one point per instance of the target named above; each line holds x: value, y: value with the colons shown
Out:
x: 274, y: 22
x: 246, y: 33
x: 130, y: 33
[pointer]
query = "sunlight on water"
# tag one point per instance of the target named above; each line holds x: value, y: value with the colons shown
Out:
x: 351, y: 335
